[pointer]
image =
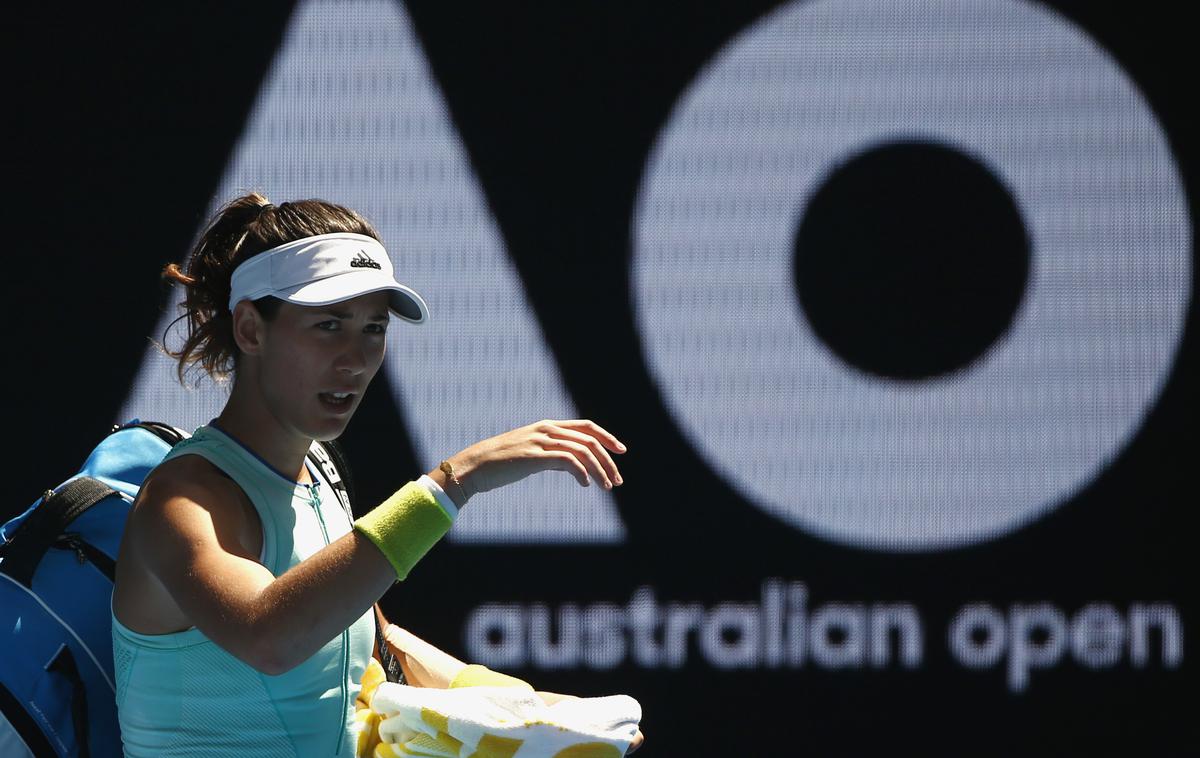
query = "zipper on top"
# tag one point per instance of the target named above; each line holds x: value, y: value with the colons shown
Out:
x: 314, y: 499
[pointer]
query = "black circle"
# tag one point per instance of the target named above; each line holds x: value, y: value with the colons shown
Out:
x: 910, y: 260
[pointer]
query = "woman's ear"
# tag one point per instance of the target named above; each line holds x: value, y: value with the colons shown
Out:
x: 249, y: 328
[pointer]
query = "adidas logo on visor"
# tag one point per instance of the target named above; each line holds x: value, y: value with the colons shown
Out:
x: 362, y: 260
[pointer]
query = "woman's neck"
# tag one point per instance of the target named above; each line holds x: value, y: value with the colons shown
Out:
x: 251, y: 424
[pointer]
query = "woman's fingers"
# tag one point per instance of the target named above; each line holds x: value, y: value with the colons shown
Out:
x: 590, y: 451
x: 572, y: 464
x: 638, y: 739
x: 591, y: 427
x: 595, y: 438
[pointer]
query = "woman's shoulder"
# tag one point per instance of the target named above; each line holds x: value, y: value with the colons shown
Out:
x: 191, y: 477
x: 190, y: 495
x: 185, y: 468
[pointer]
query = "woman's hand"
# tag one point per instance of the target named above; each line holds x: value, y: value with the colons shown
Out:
x: 578, y: 446
x: 550, y: 698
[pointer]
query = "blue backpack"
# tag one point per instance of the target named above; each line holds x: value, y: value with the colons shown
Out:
x: 57, y: 567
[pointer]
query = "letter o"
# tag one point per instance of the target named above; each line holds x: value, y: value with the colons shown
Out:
x: 968, y: 652
x: 506, y: 621
x: 960, y: 458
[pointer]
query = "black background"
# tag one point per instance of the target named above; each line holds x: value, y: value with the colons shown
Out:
x: 123, y: 118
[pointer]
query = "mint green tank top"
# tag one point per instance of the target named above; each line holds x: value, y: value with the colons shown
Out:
x: 181, y: 694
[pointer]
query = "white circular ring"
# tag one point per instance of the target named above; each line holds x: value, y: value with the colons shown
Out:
x: 971, y: 455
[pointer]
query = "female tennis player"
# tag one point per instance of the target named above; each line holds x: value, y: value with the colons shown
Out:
x: 243, y: 605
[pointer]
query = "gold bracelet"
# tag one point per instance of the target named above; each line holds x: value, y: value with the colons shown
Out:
x: 448, y: 470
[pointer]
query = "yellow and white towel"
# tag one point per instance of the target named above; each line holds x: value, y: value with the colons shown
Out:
x: 499, y: 722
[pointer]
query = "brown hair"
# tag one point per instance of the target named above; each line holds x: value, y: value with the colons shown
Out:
x: 242, y: 228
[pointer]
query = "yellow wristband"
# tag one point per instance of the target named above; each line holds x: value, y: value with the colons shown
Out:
x: 405, y: 526
x: 475, y: 675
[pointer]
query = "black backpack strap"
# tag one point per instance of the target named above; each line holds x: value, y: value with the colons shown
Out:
x: 40, y: 530
x: 329, y: 458
x: 167, y: 433
x: 336, y: 468
x: 342, y: 464
x: 44, y: 528
x: 64, y: 664
x: 29, y: 730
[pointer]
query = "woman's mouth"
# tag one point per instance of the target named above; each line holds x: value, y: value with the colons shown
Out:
x: 338, y: 402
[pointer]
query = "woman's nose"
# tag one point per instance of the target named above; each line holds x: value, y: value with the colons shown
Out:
x: 352, y: 359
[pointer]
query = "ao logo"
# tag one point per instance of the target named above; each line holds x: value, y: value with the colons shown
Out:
x: 854, y: 458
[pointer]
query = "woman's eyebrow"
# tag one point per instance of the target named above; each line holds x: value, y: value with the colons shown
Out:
x: 336, y: 313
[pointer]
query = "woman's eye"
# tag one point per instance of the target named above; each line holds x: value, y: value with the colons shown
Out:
x: 377, y: 328
x: 328, y: 326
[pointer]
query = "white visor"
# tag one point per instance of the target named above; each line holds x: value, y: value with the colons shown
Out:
x: 324, y: 269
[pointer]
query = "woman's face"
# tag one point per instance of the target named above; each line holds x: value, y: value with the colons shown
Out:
x: 316, y: 362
